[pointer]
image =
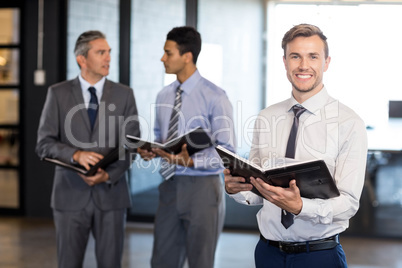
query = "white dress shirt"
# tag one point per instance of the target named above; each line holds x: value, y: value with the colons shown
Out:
x: 85, y: 92
x: 328, y: 130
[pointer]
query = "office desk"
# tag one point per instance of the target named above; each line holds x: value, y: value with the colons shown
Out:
x: 386, y: 137
x: 383, y: 141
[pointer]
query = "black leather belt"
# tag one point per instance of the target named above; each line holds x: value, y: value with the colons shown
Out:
x: 300, y: 247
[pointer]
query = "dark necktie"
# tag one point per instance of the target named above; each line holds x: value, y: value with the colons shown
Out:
x: 287, y: 218
x: 167, y: 170
x: 92, y: 107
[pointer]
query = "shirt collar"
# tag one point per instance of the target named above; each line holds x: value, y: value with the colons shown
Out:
x: 313, y: 104
x: 98, y: 86
x: 190, y: 83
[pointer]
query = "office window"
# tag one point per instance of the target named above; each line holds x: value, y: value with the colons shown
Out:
x: 363, y: 43
x: 9, y: 66
x: 232, y: 57
x: 9, y: 21
x: 10, y: 86
x: 85, y: 15
x: 9, y: 106
x: 151, y: 21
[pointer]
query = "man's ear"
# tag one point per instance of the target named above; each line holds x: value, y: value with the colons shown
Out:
x: 284, y: 60
x: 81, y: 60
x: 188, y: 57
x: 327, y: 61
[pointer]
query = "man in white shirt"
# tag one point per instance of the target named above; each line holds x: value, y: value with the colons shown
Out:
x: 327, y: 130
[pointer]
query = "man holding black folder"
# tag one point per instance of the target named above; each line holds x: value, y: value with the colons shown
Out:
x: 82, y: 122
x: 298, y: 231
x: 191, y: 210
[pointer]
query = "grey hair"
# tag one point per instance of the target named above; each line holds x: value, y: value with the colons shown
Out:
x: 82, y: 44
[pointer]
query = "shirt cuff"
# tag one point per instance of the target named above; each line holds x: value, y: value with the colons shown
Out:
x: 315, y: 210
x: 72, y: 161
x: 238, y: 197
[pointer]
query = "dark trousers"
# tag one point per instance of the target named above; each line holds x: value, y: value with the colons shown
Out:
x: 72, y: 233
x: 267, y: 256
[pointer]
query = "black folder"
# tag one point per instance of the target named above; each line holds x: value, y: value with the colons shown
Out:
x: 111, y: 157
x: 196, y: 139
x: 312, y: 177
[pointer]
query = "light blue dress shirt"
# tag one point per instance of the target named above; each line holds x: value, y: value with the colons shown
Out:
x: 203, y: 105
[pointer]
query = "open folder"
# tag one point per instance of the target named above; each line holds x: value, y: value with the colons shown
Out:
x: 111, y: 157
x: 196, y: 139
x: 312, y: 177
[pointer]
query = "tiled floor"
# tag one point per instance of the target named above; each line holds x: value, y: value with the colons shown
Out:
x: 30, y: 243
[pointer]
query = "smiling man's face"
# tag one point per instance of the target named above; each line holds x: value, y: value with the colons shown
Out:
x: 305, y: 65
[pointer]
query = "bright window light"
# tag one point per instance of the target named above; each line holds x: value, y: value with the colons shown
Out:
x: 364, y: 47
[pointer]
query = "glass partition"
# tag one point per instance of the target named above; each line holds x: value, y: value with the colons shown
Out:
x: 9, y: 188
x: 231, y: 57
x: 85, y: 15
x: 9, y: 30
x: 9, y: 162
x: 151, y: 21
x: 9, y: 66
x: 9, y: 108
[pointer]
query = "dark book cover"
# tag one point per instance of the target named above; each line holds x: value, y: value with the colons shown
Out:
x: 196, y: 140
x: 111, y: 157
x: 312, y: 177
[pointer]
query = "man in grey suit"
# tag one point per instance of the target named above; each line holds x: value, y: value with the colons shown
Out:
x: 83, y: 204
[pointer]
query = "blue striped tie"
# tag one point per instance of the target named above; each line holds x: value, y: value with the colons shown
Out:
x: 167, y: 170
x: 286, y: 217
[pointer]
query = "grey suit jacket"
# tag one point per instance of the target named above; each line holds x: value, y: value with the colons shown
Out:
x: 64, y: 128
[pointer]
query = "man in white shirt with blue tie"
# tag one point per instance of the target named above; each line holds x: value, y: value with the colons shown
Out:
x: 327, y: 130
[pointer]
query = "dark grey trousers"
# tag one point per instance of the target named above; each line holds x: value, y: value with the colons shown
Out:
x: 188, y: 221
x: 73, y: 229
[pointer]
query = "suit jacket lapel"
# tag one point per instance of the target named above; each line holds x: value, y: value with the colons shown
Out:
x: 107, y: 88
x: 106, y: 96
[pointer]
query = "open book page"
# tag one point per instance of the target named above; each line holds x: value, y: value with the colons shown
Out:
x: 272, y: 163
x: 157, y: 144
x: 312, y: 177
x: 196, y: 139
x: 139, y: 143
x: 282, y: 162
x: 242, y: 159
x: 79, y: 169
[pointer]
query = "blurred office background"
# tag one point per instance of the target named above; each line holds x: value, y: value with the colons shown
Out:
x: 241, y: 52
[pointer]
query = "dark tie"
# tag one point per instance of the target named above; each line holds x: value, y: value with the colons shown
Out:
x: 167, y: 170
x: 287, y: 218
x: 92, y: 107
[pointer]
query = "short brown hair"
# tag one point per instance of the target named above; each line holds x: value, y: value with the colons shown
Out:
x: 305, y: 30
